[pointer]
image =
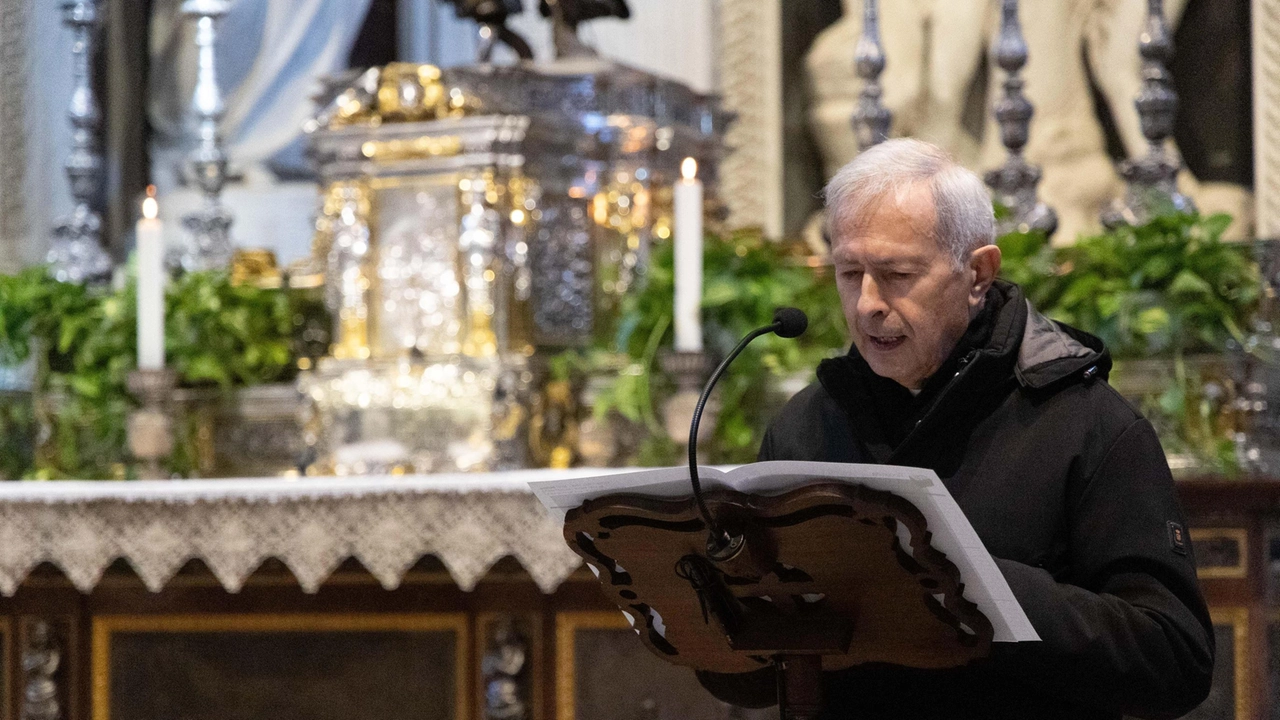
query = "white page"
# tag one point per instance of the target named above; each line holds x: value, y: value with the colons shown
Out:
x: 560, y: 496
x: 985, y: 585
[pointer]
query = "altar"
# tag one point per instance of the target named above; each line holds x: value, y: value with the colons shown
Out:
x: 413, y: 596
x: 447, y: 596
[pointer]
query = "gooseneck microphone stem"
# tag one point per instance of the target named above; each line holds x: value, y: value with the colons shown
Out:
x: 718, y: 535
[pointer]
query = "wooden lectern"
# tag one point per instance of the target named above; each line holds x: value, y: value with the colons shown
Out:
x: 822, y: 577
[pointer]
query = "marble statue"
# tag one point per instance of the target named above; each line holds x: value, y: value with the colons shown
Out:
x: 934, y: 51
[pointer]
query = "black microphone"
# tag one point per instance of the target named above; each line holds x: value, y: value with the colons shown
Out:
x: 788, y: 322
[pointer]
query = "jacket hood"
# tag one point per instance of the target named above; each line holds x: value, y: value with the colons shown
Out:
x: 1051, y: 351
x: 1047, y: 352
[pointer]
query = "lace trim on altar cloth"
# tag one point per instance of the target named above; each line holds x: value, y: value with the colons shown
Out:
x: 310, y: 527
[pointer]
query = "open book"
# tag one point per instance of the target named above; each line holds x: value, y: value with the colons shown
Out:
x: 984, y: 585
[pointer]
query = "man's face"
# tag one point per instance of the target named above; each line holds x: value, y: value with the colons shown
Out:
x: 906, y: 303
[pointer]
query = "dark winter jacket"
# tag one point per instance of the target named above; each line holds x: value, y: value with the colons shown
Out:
x: 1068, y: 488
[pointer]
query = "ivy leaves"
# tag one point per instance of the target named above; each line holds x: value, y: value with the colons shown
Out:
x: 225, y: 334
x: 215, y: 334
x: 1168, y: 287
x: 744, y: 279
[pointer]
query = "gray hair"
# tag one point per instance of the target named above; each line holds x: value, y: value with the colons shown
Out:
x: 963, y: 217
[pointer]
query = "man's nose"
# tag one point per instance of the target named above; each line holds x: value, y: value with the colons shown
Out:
x: 870, y: 301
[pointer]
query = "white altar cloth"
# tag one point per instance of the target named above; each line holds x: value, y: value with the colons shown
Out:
x: 468, y: 521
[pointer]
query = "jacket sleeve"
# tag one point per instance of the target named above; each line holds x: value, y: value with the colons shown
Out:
x: 766, y: 446
x: 1124, y: 627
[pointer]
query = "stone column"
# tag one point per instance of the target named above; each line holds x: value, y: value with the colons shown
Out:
x: 1265, y: 17
x: 751, y: 85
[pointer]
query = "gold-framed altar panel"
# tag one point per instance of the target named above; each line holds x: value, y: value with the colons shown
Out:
x: 1233, y: 622
x: 1212, y: 541
x: 105, y: 629
x: 567, y: 626
x: 623, y: 671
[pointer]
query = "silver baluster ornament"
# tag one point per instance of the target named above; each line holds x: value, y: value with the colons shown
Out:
x: 1152, y: 180
x: 76, y: 254
x: 871, y: 119
x: 1014, y: 182
x: 208, y: 243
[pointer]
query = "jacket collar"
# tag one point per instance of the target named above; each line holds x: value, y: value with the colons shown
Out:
x: 1025, y: 349
x: 1052, y: 352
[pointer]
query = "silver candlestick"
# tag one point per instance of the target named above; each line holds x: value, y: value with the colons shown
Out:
x: 1152, y: 180
x: 690, y: 371
x: 76, y: 254
x: 1014, y: 183
x: 871, y: 119
x: 208, y: 244
x: 150, y: 427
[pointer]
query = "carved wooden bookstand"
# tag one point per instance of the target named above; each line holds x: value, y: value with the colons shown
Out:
x: 823, y: 577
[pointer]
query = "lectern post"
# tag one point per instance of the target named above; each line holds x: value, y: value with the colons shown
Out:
x: 799, y: 686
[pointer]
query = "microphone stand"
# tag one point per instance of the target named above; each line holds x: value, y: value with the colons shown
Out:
x: 722, y: 545
x: 719, y: 542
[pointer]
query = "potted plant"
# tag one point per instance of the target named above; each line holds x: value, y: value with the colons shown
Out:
x: 223, y: 340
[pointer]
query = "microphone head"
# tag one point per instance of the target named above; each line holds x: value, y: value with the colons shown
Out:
x: 791, y: 322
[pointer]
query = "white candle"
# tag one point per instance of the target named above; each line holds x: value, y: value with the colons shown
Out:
x: 688, y: 258
x: 151, y: 282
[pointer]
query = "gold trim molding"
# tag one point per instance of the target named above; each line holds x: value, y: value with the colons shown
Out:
x: 106, y: 626
x: 1240, y: 535
x: 567, y: 626
x: 8, y: 659
x: 1238, y: 619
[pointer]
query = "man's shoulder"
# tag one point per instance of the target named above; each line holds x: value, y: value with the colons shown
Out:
x: 810, y: 426
x: 810, y: 404
x: 1091, y: 403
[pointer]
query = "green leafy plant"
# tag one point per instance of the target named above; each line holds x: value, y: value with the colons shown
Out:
x: 1168, y: 287
x: 84, y: 342
x: 225, y: 334
x: 744, y: 279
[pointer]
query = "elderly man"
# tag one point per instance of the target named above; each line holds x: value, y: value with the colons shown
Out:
x: 1065, y: 483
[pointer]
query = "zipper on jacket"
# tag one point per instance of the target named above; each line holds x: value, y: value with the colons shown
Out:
x: 964, y: 364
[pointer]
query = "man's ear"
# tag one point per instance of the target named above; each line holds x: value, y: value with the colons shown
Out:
x: 985, y: 264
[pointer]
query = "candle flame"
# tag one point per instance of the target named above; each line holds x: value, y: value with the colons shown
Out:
x: 150, y: 208
x: 689, y: 168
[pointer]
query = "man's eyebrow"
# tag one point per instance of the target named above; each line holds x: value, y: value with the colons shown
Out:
x: 909, y: 263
